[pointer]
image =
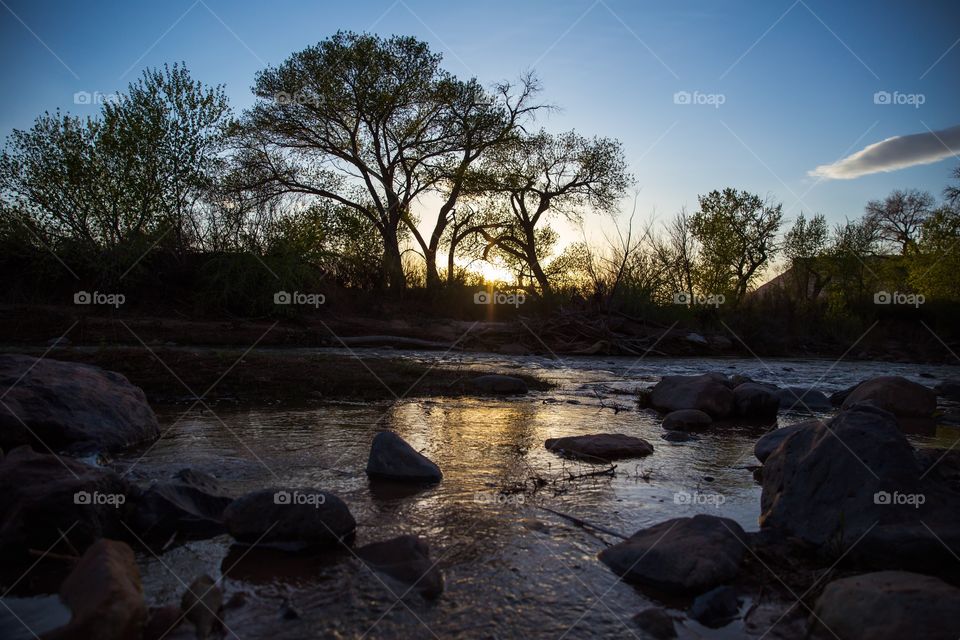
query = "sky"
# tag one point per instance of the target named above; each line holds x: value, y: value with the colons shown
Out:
x: 818, y: 104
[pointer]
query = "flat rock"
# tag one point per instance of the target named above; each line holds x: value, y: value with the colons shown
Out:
x: 901, y: 397
x: 600, y: 447
x: 407, y: 559
x: 499, y: 385
x: 392, y: 458
x: 687, y: 420
x: 709, y: 393
x: 306, y: 517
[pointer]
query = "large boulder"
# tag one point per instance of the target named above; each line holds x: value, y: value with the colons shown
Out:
x: 889, y: 605
x: 687, y: 420
x: 392, y: 458
x: 756, y: 401
x: 769, y: 443
x: 899, y: 396
x: 680, y: 556
x: 806, y: 400
x: 104, y: 594
x: 407, y: 559
x: 495, y: 384
x: 65, y: 406
x: 42, y: 495
x: 288, y: 516
x: 189, y: 506
x: 600, y: 447
x: 709, y: 393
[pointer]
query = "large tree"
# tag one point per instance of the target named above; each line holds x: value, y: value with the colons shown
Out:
x: 804, y: 246
x: 899, y: 217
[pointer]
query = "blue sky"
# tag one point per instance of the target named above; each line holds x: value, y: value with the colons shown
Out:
x: 796, y: 79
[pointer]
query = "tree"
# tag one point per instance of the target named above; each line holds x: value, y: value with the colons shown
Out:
x: 804, y: 245
x: 737, y: 232
x: 676, y: 253
x: 899, y: 217
x: 952, y: 192
x: 933, y: 271
x: 543, y: 174
x: 853, y: 246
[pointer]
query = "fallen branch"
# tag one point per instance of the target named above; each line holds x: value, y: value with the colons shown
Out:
x: 580, y: 522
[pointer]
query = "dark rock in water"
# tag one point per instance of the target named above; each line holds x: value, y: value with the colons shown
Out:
x: 42, y: 495
x: 687, y: 420
x: 909, y: 546
x: 889, y: 605
x: 304, y: 517
x: 600, y: 447
x: 773, y: 439
x: 678, y: 436
x: 942, y: 465
x: 837, y: 397
x: 407, y: 559
x: 899, y: 396
x: 392, y: 458
x: 166, y: 623
x: 949, y: 389
x: 499, y: 385
x: 65, y: 406
x: 755, y: 401
x: 191, y: 506
x: 800, y: 399
x: 643, y: 398
x: 202, y: 605
x: 680, y: 556
x: 105, y: 595
x: 709, y: 393
x: 716, y: 607
x: 657, y: 623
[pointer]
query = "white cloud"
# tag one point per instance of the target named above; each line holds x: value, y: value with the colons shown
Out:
x: 894, y: 153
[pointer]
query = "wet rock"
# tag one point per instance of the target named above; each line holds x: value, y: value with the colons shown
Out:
x: 837, y: 397
x: 191, y: 507
x: 949, y: 389
x: 202, y: 605
x: 65, y: 406
x: 889, y: 605
x: 42, y: 495
x: 716, y: 607
x: 800, y: 399
x: 899, y: 396
x: 300, y: 517
x: 696, y: 338
x: 166, y: 623
x: 407, y: 559
x: 687, y: 420
x: 678, y: 436
x: 680, y: 556
x: 756, y: 401
x: 600, y: 447
x: 773, y: 439
x: 499, y: 385
x: 708, y: 393
x: 657, y: 623
x: 104, y: 594
x: 392, y: 458
x: 941, y: 464
x: 921, y: 547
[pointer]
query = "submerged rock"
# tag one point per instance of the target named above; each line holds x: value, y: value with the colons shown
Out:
x: 709, y: 393
x: 680, y: 556
x: 756, y: 401
x: 600, y: 447
x: 303, y: 517
x: 678, y: 436
x: 773, y: 439
x: 66, y: 406
x: 889, y: 605
x: 407, y: 559
x: 716, y: 607
x: 499, y: 385
x: 687, y: 420
x: 899, y: 396
x: 392, y: 458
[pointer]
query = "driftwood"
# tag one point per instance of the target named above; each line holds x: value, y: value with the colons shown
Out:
x: 580, y: 522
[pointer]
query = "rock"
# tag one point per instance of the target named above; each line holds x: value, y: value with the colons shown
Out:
x: 949, y: 389
x: 716, y: 607
x: 289, y: 516
x: 678, y: 436
x: 687, y: 420
x: 202, y: 605
x: 773, y: 439
x: 941, y: 464
x: 680, y: 556
x: 837, y: 397
x: 165, y: 623
x: 600, y: 447
x: 889, y: 605
x: 392, y: 458
x: 708, y: 393
x: 696, y: 338
x: 65, y: 406
x: 42, y: 495
x: 407, y: 559
x: 656, y: 623
x: 909, y: 546
x: 105, y: 595
x: 899, y: 396
x: 191, y: 507
x: 499, y: 385
x: 721, y: 342
x: 755, y: 401
x: 800, y: 399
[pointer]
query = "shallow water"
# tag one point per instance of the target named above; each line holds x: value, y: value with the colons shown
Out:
x: 512, y: 569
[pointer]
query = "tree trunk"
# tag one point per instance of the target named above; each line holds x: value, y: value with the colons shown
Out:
x: 392, y: 263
